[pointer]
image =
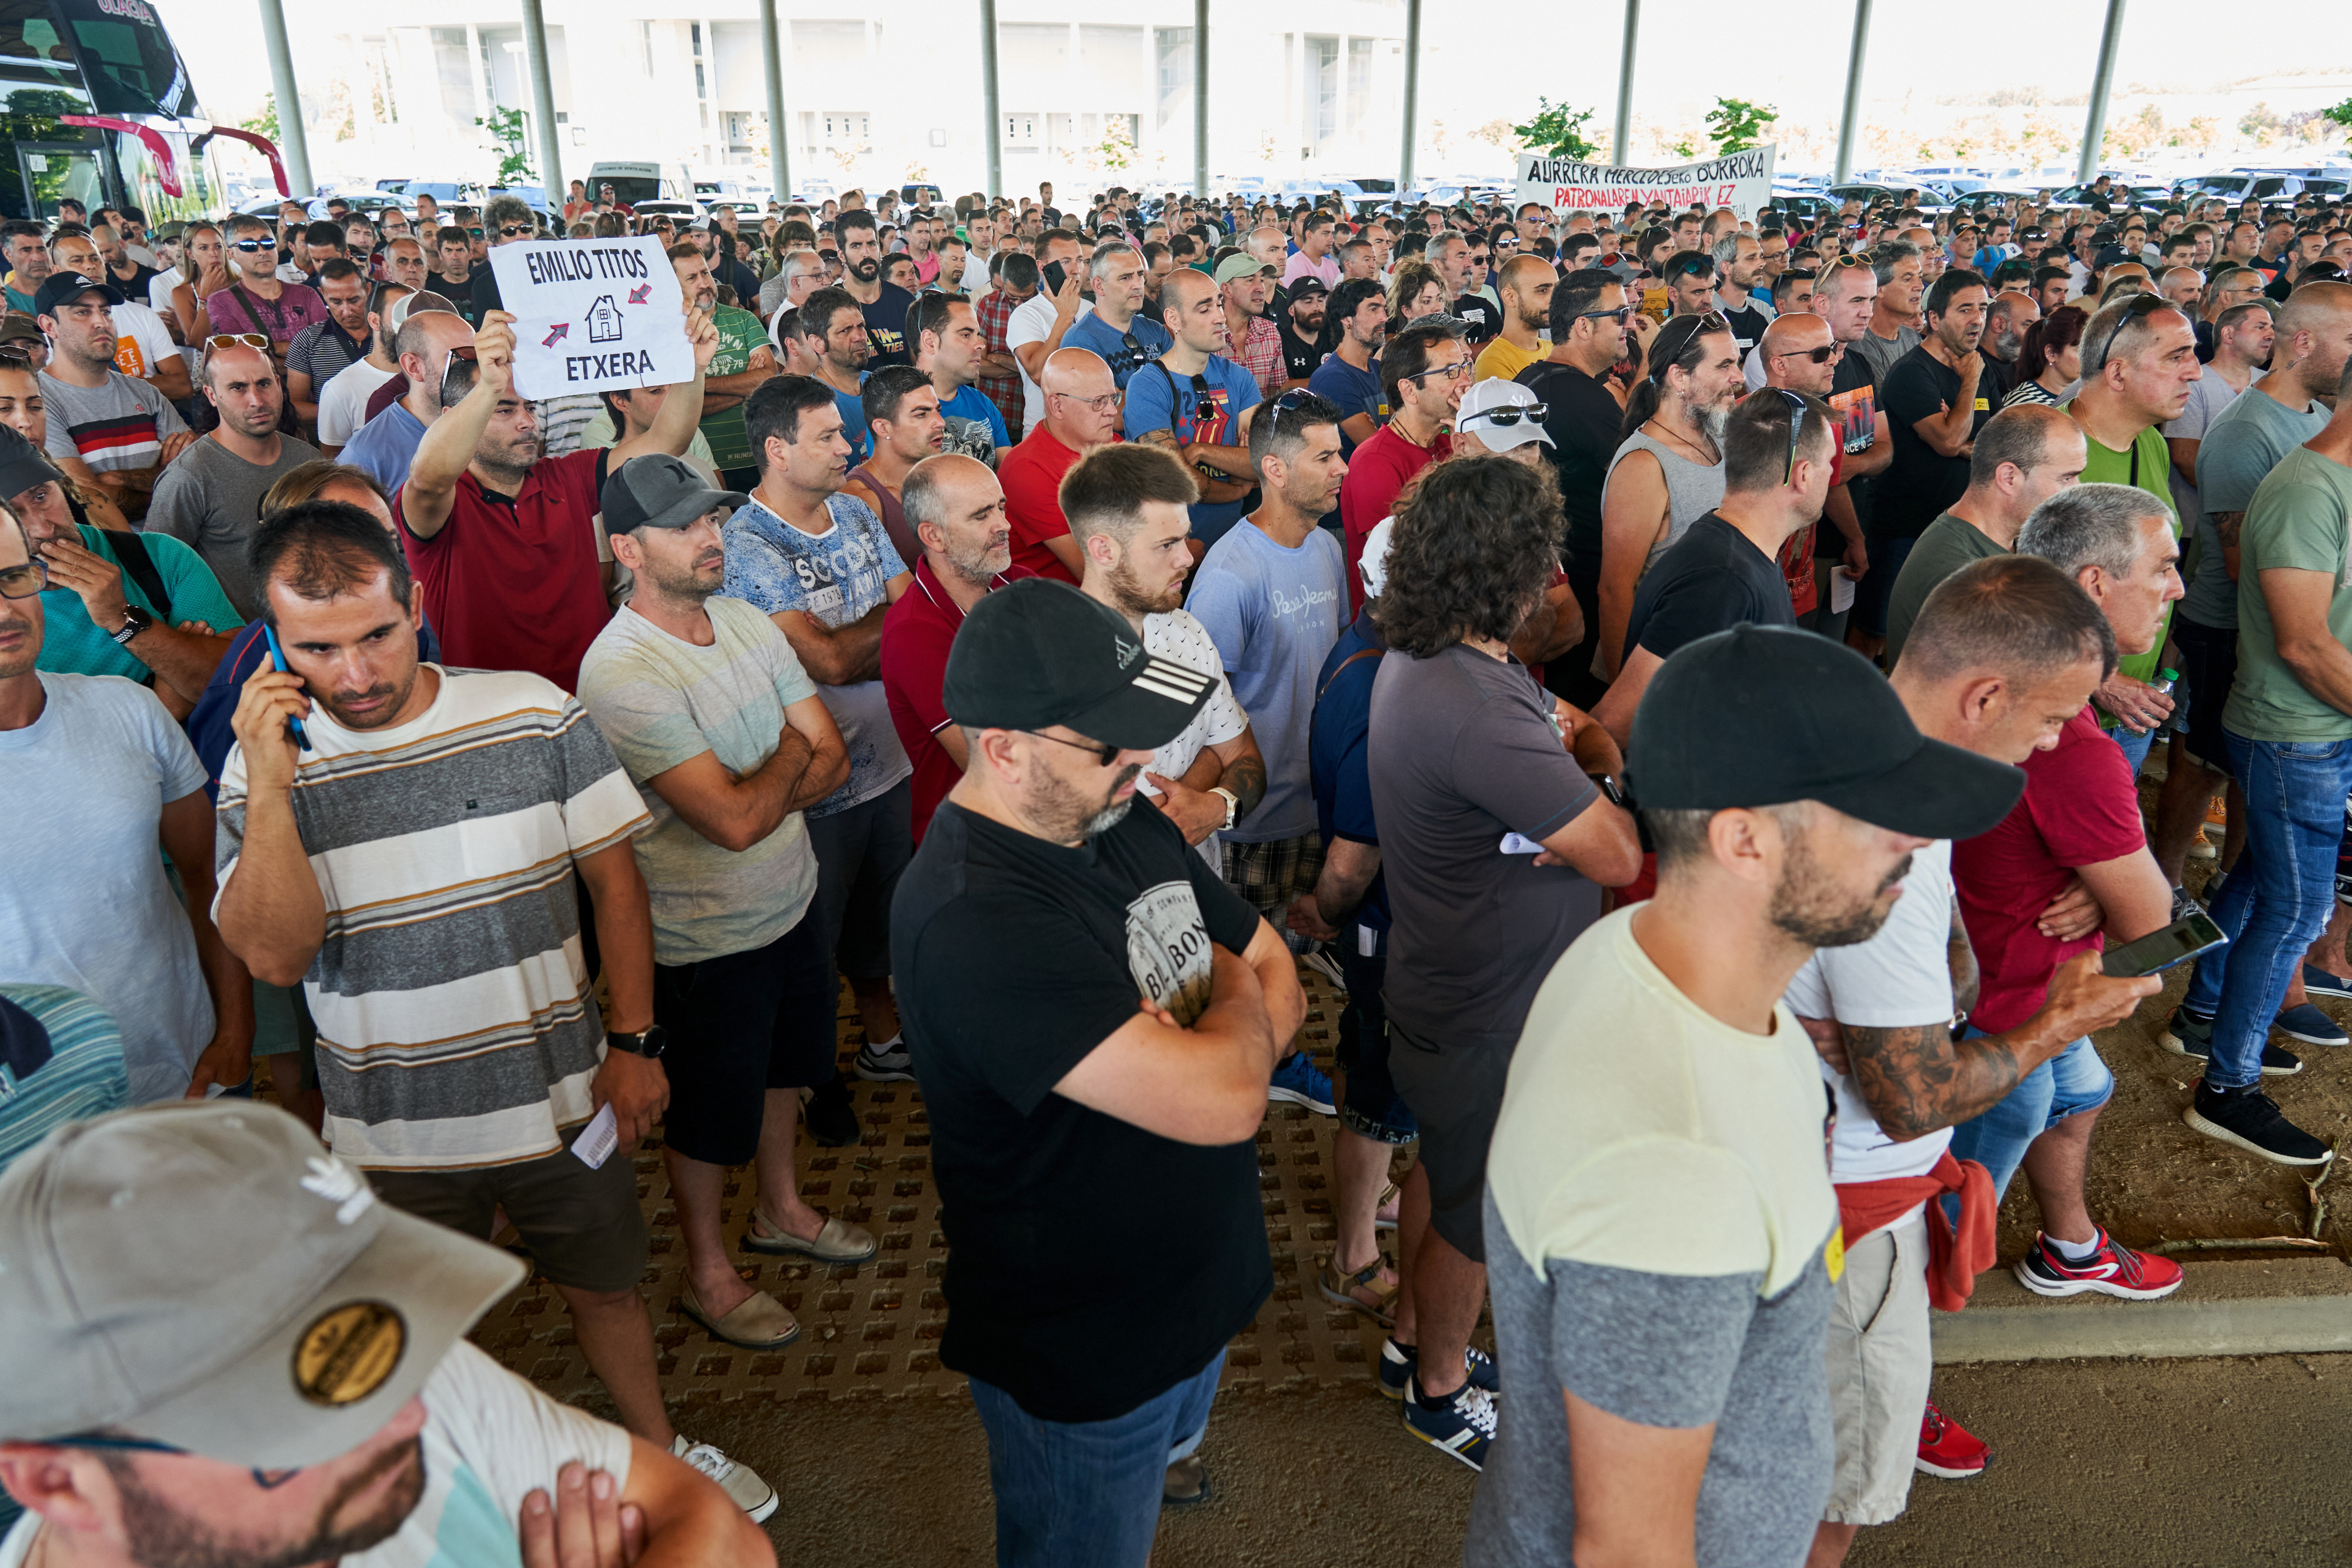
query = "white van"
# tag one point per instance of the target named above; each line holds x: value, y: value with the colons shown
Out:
x: 635, y: 182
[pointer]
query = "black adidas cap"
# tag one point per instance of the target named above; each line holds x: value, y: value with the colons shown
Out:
x: 658, y: 491
x: 1038, y: 652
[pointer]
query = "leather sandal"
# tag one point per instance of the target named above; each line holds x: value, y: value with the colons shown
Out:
x: 1341, y: 1291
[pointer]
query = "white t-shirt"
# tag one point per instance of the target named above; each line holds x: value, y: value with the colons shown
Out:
x: 1032, y: 321
x: 975, y: 275
x: 342, y: 402
x: 1175, y: 637
x: 1899, y: 978
x: 142, y: 341
x: 160, y: 287
x: 490, y: 1440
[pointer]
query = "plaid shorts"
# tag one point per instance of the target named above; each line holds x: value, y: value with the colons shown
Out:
x: 1271, y: 875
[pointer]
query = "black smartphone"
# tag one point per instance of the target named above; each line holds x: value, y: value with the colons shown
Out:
x: 2183, y: 939
x: 1052, y: 271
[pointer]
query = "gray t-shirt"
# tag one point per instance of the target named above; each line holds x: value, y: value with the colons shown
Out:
x: 120, y: 425
x: 1464, y: 754
x: 2208, y: 395
x: 1880, y: 353
x: 210, y: 499
x: 2240, y: 447
x: 1662, y: 1350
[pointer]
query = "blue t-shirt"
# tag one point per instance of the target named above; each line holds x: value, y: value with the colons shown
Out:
x: 852, y: 422
x: 1091, y: 331
x: 1274, y: 613
x: 1158, y: 399
x: 74, y: 644
x: 385, y: 447
x: 1351, y: 391
x: 975, y: 425
x: 834, y: 578
x: 1343, y: 780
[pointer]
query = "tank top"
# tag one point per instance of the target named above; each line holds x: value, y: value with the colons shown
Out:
x: 1693, y: 490
x: 894, y: 517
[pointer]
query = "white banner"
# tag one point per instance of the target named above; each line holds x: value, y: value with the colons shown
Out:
x: 1741, y: 180
x: 592, y: 315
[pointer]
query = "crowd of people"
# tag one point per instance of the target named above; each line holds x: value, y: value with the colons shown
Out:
x: 1683, y: 676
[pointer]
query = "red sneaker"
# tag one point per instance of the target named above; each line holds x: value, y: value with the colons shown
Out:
x: 1947, y: 1449
x: 2116, y: 1270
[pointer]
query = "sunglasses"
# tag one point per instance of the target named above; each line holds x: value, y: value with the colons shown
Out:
x: 17, y: 358
x: 1622, y: 315
x: 1503, y: 418
x: 476, y: 233
x: 1820, y: 355
x: 511, y: 231
x: 250, y: 246
x: 231, y: 339
x: 1102, y: 751
x: 1701, y: 325
x: 2141, y: 305
x: 1796, y: 430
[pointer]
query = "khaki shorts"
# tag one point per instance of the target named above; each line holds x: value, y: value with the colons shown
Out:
x: 584, y: 1228
x: 1879, y: 1363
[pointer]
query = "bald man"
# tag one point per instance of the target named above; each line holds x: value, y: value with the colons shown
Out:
x: 1525, y: 284
x: 1798, y: 353
x: 1081, y: 412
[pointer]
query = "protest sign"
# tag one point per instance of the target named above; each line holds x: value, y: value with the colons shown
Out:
x: 1741, y: 180
x: 592, y: 315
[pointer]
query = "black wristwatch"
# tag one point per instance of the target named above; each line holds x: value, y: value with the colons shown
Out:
x: 134, y: 621
x: 649, y: 1045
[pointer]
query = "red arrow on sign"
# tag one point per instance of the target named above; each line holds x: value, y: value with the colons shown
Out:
x: 562, y: 329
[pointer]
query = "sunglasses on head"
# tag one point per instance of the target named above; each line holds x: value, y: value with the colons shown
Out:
x: 19, y: 358
x: 2141, y: 305
x: 1501, y: 418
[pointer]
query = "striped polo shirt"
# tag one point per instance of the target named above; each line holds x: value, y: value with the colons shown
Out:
x: 60, y: 1060
x: 457, y: 1023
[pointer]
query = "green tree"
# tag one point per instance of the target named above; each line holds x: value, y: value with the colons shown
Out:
x: 506, y: 129
x: 265, y: 122
x: 1557, y: 132
x: 2341, y: 114
x: 1735, y: 125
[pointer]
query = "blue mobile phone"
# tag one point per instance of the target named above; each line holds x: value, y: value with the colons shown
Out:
x: 278, y: 661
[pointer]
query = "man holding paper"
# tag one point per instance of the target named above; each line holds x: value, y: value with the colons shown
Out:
x: 428, y: 912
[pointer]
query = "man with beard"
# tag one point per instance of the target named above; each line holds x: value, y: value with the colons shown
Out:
x: 1935, y: 405
x: 1665, y: 1379
x: 482, y: 1009
x: 2012, y: 311
x: 833, y: 335
x: 211, y: 498
x: 1199, y: 404
x: 1127, y: 505
x: 1306, y: 307
x: 1349, y: 379
x: 742, y: 362
x: 118, y: 428
x: 957, y: 511
x: 902, y: 415
x: 706, y: 706
x: 950, y: 349
x: 257, y: 1248
x: 504, y: 541
x: 1738, y: 273
x: 1525, y: 285
x: 426, y: 336
x: 1038, y: 911
x: 883, y: 305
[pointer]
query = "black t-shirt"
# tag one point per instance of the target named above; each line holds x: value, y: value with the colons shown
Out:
x: 1708, y: 580
x: 141, y: 277
x: 1300, y: 355
x: 886, y: 326
x: 1581, y: 418
x: 1854, y: 398
x: 486, y: 297
x: 1092, y: 1265
x: 1996, y: 380
x: 1483, y: 316
x: 1748, y: 324
x: 1920, y: 484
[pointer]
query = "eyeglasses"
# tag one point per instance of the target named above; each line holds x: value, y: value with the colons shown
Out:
x: 1101, y: 752
x: 2141, y: 305
x: 24, y: 582
x: 1505, y: 417
x: 1453, y: 370
x: 1103, y: 404
x: 17, y: 358
x: 1820, y: 355
x: 511, y: 231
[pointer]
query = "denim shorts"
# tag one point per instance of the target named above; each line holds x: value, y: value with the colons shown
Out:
x: 2069, y: 1084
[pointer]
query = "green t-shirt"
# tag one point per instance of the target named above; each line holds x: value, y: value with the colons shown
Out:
x: 1943, y: 548
x: 2299, y: 521
x: 2143, y: 467
x: 740, y: 335
x: 71, y: 645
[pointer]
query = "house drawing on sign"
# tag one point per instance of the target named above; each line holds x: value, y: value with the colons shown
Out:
x: 603, y: 320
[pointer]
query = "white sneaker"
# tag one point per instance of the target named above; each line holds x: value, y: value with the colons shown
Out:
x: 739, y: 1483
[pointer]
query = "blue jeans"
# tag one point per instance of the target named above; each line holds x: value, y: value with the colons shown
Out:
x: 2276, y: 899
x: 2135, y: 746
x: 1872, y: 595
x: 1088, y: 1491
x: 2069, y: 1084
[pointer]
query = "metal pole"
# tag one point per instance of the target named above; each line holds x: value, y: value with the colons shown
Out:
x: 542, y: 97
x: 1200, y: 100
x: 291, y: 145
x: 1412, y: 91
x: 2094, y: 128
x: 780, y: 131
x: 1620, y: 144
x: 990, y: 102
x: 1851, y: 120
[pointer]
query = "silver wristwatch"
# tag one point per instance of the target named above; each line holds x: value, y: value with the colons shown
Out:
x: 1233, y: 803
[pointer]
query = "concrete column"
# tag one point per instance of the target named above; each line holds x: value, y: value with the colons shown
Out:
x: 1620, y: 143
x: 1412, y: 91
x: 1200, y: 98
x: 2095, y: 128
x: 780, y: 131
x: 991, y: 102
x: 1850, y: 123
x: 542, y: 96
x: 293, y: 148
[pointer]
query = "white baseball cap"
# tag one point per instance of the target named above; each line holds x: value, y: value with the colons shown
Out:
x: 1514, y: 426
x: 1375, y: 562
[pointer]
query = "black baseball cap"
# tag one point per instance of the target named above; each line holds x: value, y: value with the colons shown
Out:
x: 23, y: 466
x: 1763, y: 716
x: 1308, y: 284
x: 1038, y: 652
x: 658, y: 491
x: 61, y: 285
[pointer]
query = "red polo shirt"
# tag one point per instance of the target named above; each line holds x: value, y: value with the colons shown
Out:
x: 916, y: 633
x: 1031, y: 474
x: 1376, y: 474
x: 511, y: 582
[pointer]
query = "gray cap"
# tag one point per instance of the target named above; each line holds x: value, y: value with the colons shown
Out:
x: 205, y: 1274
x: 658, y: 491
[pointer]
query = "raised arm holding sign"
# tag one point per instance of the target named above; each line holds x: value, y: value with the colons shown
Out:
x: 591, y: 315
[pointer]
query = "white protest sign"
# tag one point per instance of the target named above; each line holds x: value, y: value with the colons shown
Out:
x: 592, y: 315
x: 1741, y: 180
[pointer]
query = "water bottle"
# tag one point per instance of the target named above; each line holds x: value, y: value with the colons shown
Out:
x: 2163, y: 682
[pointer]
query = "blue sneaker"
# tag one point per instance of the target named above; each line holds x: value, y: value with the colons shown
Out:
x: 2309, y: 1025
x: 1297, y: 1079
x: 1400, y: 1362
x: 2318, y: 982
x: 1462, y: 1426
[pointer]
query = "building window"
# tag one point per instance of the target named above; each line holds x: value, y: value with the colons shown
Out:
x: 1323, y: 91
x: 1021, y: 128
x: 1174, y: 47
x: 845, y: 128
x: 1359, y: 83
